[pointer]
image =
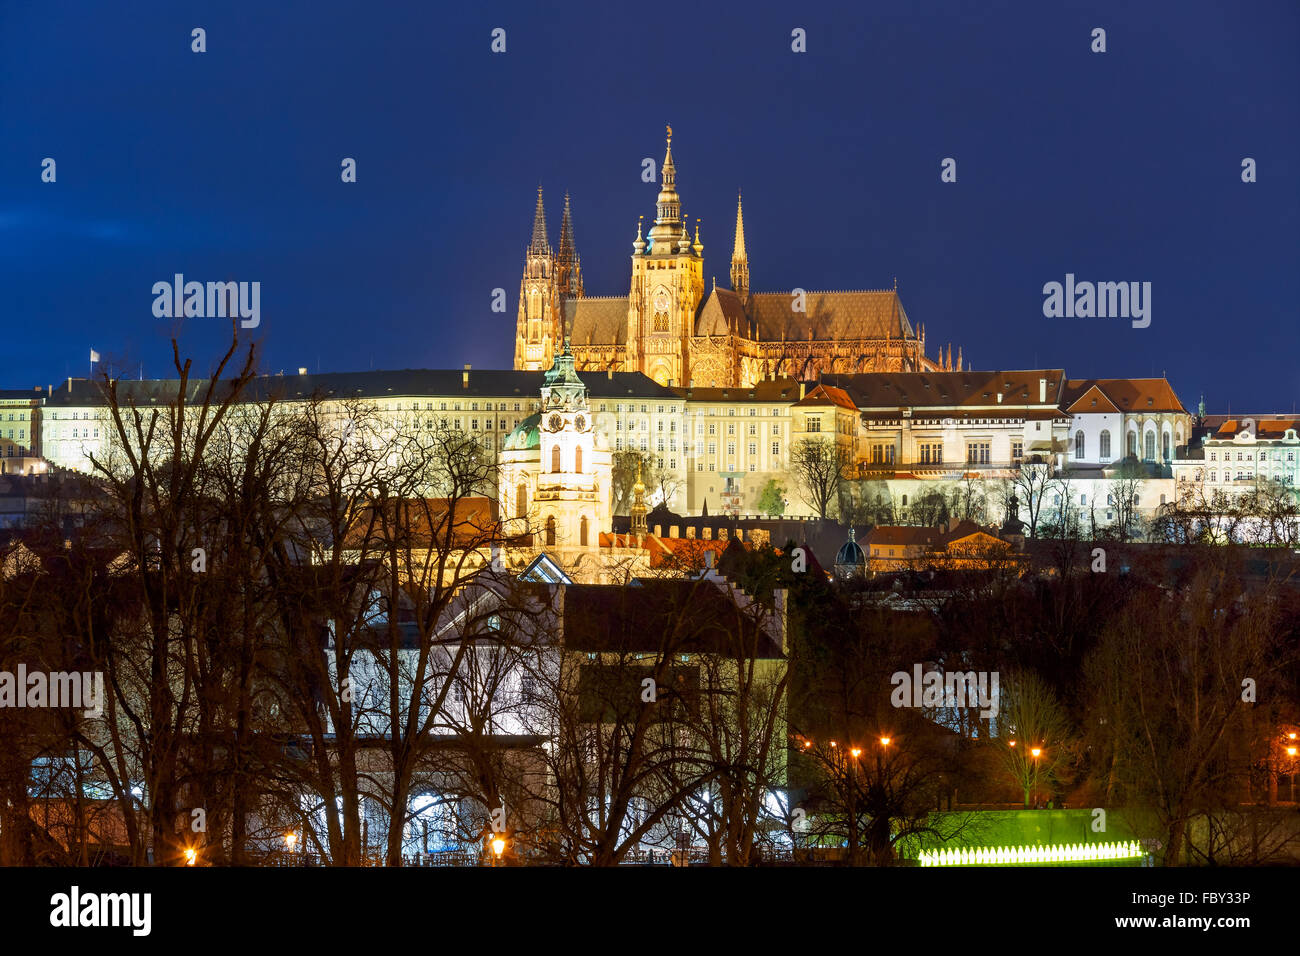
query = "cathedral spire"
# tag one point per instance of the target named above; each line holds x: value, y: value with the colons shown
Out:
x: 668, y: 209
x: 739, y: 258
x: 539, y: 246
x: 568, y: 266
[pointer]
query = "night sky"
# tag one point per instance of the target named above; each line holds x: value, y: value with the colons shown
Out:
x: 225, y: 165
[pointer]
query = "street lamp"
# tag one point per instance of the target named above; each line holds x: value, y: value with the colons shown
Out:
x: 191, y: 855
x: 290, y: 839
x: 884, y: 741
x: 498, y: 847
x: 858, y: 753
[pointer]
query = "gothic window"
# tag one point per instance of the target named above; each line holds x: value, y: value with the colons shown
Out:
x: 555, y: 459
x: 550, y: 531
x: 1164, y: 446
x: 521, y: 501
x: 1132, y: 449
x: 1150, y: 447
x: 661, y: 322
x: 1105, y: 444
x: 582, y: 531
x: 1078, y: 446
x: 577, y: 460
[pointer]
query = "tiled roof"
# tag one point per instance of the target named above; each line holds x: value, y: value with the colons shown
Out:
x: 828, y: 395
x: 1093, y: 400
x: 374, y: 385
x: 1268, y: 429
x: 722, y: 314
x: 596, y: 320
x: 949, y: 389
x: 769, y: 390
x: 829, y: 315
x: 901, y: 536
x: 1127, y: 394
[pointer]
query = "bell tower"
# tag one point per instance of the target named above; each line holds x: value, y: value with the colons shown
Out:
x: 538, y: 330
x: 667, y: 286
x: 574, y: 465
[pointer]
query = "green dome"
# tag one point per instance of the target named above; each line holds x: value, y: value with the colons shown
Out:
x: 527, y: 434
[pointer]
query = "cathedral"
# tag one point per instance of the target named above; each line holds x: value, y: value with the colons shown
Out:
x: 670, y: 329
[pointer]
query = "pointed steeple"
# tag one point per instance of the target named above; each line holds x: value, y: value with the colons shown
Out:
x: 539, y: 246
x: 639, y: 244
x: 668, y: 208
x: 739, y: 258
x: 568, y: 267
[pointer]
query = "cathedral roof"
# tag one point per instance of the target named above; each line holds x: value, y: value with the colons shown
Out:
x: 830, y: 315
x: 596, y: 321
x: 723, y: 314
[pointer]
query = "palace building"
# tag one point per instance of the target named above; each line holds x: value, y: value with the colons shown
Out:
x: 670, y: 328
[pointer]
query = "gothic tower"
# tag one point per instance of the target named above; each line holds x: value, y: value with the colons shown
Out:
x: 568, y: 265
x: 538, y: 330
x: 667, y: 287
x: 739, y: 259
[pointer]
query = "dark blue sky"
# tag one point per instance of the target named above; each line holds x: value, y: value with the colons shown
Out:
x: 1122, y: 166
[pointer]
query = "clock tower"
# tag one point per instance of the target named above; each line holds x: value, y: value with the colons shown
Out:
x: 667, y: 287
x: 571, y: 502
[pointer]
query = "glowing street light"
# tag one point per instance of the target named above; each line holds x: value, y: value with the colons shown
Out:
x: 290, y: 839
x: 1291, y: 751
x: 191, y: 855
x: 498, y: 847
x: 858, y: 753
x: 884, y: 741
x: 1035, y: 752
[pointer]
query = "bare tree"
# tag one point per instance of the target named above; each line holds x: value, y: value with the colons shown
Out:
x: 818, y: 466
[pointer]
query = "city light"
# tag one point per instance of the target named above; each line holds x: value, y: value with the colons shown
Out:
x: 191, y: 855
x: 1053, y: 853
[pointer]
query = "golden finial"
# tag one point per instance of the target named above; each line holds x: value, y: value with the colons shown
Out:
x: 670, y: 134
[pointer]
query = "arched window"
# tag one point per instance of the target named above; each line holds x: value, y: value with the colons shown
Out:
x: 521, y: 501
x: 1149, y: 447
x: 577, y: 460
x: 1164, y: 446
x: 582, y: 531
x: 1132, y: 449
x: 1105, y: 444
x: 550, y: 531
x: 1078, y: 445
x: 555, y: 459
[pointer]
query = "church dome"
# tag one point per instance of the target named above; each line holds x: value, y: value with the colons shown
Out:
x: 850, y: 557
x: 527, y: 434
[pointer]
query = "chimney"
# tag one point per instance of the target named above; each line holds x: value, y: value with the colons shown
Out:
x: 69, y: 384
x: 1042, y: 390
x: 464, y: 377
x: 609, y: 374
x: 801, y: 388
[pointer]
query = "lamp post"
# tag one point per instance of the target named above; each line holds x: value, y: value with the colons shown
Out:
x: 1035, y: 752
